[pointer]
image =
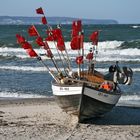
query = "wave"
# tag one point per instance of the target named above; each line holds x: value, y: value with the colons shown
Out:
x: 43, y: 69
x: 130, y: 100
x: 130, y: 44
x: 107, y: 51
x: 135, y: 26
x: 24, y: 68
x: 12, y: 52
x: 19, y: 95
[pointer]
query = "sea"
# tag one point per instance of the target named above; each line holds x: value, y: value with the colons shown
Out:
x: 24, y: 77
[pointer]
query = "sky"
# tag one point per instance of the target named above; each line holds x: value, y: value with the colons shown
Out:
x: 124, y: 11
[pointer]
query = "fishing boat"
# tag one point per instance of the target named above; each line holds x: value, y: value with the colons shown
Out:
x: 94, y: 96
x: 85, y: 92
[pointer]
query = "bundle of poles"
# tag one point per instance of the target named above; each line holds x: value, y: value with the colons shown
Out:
x: 56, y: 36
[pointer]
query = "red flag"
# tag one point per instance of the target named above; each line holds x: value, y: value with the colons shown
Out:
x: 44, y: 20
x: 40, y: 42
x: 39, y: 11
x: 59, y: 37
x: 49, y: 38
x: 47, y: 48
x: 20, y: 39
x: 60, y: 44
x: 51, y: 35
x: 79, y: 60
x: 89, y: 56
x: 33, y: 31
x: 26, y: 45
x: 58, y: 33
x: 54, y: 35
x: 77, y: 42
x: 94, y: 37
x: 76, y: 28
x: 31, y: 53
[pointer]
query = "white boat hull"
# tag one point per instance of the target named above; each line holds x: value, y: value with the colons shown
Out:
x: 62, y: 90
x: 67, y: 96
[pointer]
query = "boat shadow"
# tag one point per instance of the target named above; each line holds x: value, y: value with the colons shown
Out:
x: 120, y: 115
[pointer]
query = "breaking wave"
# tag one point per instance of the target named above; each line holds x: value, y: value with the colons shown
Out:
x: 128, y: 99
x: 43, y: 69
x: 107, y: 51
x: 131, y: 44
x: 19, y: 95
x: 135, y: 26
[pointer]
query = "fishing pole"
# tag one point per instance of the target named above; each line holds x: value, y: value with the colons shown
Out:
x: 46, y: 66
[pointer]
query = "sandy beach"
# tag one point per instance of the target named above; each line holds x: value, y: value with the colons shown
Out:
x: 42, y: 119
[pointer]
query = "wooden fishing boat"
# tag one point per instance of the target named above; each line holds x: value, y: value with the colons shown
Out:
x: 88, y: 97
x: 96, y: 102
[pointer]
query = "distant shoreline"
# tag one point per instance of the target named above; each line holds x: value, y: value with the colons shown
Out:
x: 13, y: 20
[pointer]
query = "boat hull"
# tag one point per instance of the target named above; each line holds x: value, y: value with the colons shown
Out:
x: 67, y: 96
x: 84, y: 101
x: 95, y: 103
x: 69, y: 103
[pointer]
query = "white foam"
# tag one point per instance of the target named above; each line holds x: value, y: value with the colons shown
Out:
x: 135, y: 26
x: 24, y: 68
x: 28, y: 68
x: 107, y: 51
x: 43, y: 69
x: 5, y: 94
x: 12, y: 52
x: 19, y: 95
x: 130, y: 98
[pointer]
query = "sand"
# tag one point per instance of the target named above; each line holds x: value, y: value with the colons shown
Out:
x: 42, y: 119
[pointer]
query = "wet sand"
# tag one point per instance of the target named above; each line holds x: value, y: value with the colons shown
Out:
x: 42, y: 119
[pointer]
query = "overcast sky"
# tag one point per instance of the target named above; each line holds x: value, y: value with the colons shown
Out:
x: 124, y: 11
